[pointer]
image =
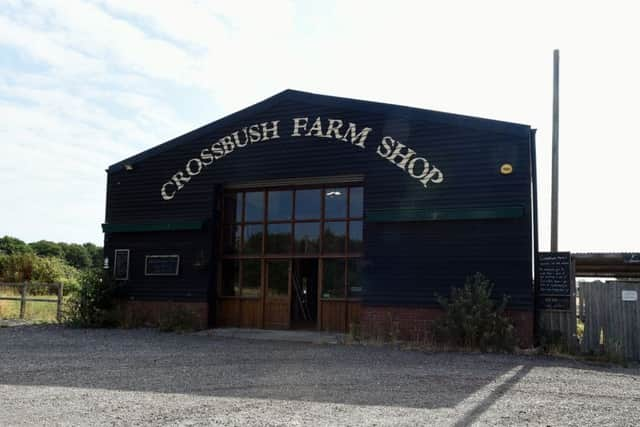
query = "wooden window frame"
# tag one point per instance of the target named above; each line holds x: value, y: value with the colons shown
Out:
x: 263, y: 256
x: 115, y: 265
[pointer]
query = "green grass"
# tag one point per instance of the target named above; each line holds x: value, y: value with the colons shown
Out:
x: 34, y: 310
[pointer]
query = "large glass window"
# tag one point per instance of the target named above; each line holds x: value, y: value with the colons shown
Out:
x: 230, y: 278
x: 231, y: 239
x: 335, y: 203
x: 254, y: 206
x: 279, y: 238
x: 354, y: 273
x: 334, y: 278
x: 335, y: 233
x: 280, y: 205
x: 252, y: 239
x: 233, y: 207
x: 264, y: 229
x: 308, y: 204
x: 277, y: 278
x: 251, y: 278
x: 307, y: 238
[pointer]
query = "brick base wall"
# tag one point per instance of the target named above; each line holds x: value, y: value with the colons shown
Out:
x: 414, y: 324
x: 150, y: 313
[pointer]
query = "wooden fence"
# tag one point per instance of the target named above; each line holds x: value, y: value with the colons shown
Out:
x: 611, y: 315
x: 23, y: 298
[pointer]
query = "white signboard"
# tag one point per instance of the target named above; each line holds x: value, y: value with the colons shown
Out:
x: 629, y: 295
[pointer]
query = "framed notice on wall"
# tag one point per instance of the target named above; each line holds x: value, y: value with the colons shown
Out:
x: 554, y: 280
x: 121, y: 264
x: 161, y: 265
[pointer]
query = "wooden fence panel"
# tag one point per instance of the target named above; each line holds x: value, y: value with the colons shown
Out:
x: 609, y: 319
x: 24, y: 298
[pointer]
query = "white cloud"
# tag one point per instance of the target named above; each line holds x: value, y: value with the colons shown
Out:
x: 87, y: 83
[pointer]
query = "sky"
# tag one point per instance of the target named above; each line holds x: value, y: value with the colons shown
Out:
x: 84, y: 84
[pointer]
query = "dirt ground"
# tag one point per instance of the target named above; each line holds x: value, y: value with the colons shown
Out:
x: 59, y: 376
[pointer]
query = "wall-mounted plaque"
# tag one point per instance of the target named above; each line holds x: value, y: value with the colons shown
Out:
x: 161, y: 265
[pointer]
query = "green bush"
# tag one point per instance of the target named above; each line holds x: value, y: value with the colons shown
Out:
x: 473, y: 320
x: 28, y: 267
x: 93, y: 304
x: 17, y: 267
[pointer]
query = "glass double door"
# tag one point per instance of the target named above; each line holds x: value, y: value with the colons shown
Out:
x: 291, y: 299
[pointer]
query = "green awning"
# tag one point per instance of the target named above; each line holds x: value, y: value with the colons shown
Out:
x: 156, y: 226
x: 411, y: 214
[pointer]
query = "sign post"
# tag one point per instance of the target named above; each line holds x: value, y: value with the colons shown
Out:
x: 556, y: 295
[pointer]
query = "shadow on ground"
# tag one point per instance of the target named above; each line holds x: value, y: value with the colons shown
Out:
x: 147, y: 360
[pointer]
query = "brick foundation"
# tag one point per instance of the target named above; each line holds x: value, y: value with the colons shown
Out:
x: 414, y: 324
x: 150, y: 313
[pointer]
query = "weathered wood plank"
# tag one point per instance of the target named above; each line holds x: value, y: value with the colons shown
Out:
x: 619, y: 321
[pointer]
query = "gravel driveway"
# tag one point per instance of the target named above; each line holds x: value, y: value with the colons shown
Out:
x: 59, y: 376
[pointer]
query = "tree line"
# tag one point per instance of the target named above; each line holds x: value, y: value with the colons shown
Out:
x: 80, y: 256
x: 47, y: 262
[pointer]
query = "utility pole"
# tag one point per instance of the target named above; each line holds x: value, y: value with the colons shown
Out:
x: 554, y: 152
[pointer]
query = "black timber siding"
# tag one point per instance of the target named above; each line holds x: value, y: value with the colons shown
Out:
x: 193, y: 276
x: 406, y: 263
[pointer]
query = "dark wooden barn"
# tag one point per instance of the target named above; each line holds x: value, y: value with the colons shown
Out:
x: 311, y: 211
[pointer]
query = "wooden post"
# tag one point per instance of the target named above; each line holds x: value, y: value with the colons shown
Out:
x: 573, y: 327
x: 554, y: 152
x: 23, y: 297
x: 60, y: 296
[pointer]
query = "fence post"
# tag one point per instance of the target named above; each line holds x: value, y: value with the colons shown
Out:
x: 59, y: 311
x: 573, y: 321
x: 23, y: 297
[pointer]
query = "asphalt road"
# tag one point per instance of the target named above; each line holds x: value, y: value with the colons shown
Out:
x: 59, y: 376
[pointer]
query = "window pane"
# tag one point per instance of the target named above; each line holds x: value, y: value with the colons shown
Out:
x: 251, y: 278
x: 335, y: 203
x: 232, y: 207
x: 308, y: 204
x: 354, y: 274
x: 252, y: 239
x: 121, y: 265
x: 230, y: 279
x: 278, y: 238
x: 333, y: 286
x: 278, y: 278
x: 355, y: 236
x: 355, y: 202
x: 231, y: 239
x: 254, y: 206
x: 334, y: 237
x: 280, y: 205
x: 307, y: 237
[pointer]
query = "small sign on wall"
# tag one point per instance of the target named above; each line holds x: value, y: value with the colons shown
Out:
x: 629, y: 295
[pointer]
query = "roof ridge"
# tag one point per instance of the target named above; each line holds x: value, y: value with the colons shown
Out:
x: 415, y: 113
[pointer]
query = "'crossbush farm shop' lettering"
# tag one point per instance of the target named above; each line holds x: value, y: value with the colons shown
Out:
x: 394, y: 151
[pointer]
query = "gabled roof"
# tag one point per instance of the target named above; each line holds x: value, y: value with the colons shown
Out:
x: 335, y: 102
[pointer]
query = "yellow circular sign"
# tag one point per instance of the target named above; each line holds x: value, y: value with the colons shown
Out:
x: 506, y: 169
